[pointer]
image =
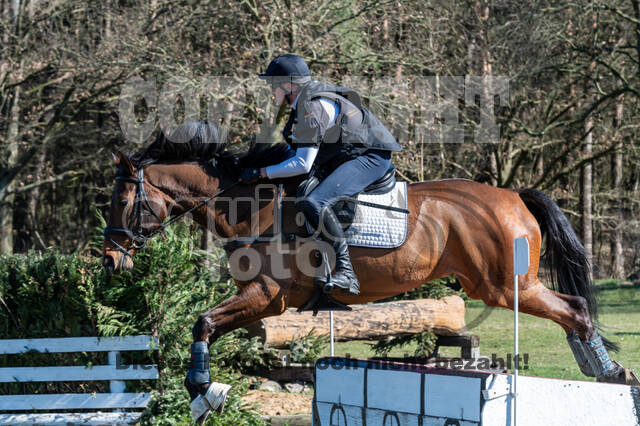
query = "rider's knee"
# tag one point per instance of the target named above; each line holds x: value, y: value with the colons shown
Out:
x: 309, y: 206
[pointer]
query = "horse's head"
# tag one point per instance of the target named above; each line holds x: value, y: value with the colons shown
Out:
x: 137, y: 212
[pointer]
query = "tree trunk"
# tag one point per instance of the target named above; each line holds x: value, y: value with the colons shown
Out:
x: 6, y: 204
x: 587, y: 192
x: 587, y: 169
x: 33, y: 201
x: 487, y: 103
x: 367, y: 322
x: 5, y: 10
x: 15, y: 11
x: 540, y: 165
x: 616, y: 244
x: 107, y: 21
x: 11, y: 153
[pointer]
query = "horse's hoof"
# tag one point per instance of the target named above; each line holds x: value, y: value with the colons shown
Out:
x: 212, y: 400
x: 620, y: 376
x: 200, y: 410
x: 630, y: 377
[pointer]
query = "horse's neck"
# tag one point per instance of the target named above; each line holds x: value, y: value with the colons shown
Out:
x: 229, y: 215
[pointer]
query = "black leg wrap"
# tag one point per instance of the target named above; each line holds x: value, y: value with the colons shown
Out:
x: 577, y: 348
x: 198, y: 372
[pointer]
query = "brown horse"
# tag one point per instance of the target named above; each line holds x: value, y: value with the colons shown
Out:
x: 456, y: 227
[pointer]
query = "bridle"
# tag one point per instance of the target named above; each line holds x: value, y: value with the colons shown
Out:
x: 141, y: 201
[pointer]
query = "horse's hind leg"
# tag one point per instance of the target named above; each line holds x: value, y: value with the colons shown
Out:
x: 572, y: 314
x: 594, y: 360
x: 586, y: 344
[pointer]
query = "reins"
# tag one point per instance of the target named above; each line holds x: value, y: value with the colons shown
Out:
x: 140, y: 239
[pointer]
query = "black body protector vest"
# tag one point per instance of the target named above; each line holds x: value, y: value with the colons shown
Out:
x: 355, y: 131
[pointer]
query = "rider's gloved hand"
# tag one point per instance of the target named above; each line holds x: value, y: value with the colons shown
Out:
x: 249, y: 175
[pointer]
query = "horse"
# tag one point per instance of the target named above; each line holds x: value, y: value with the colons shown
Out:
x: 455, y: 227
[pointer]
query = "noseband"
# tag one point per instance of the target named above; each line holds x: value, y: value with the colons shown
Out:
x: 141, y: 201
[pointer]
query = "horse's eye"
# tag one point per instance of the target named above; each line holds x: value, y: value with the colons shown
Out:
x: 123, y: 203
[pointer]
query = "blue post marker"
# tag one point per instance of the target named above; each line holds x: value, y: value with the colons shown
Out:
x: 520, y: 267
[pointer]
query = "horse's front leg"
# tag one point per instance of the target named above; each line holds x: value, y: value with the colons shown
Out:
x: 260, y: 298
x: 257, y: 299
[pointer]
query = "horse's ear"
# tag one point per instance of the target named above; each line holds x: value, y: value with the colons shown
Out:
x: 116, y: 159
x: 124, y: 162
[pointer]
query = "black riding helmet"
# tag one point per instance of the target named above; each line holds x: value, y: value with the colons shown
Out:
x: 287, y: 68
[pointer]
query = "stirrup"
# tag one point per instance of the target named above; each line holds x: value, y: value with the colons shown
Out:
x: 325, y: 281
x: 213, y: 400
x: 321, y: 301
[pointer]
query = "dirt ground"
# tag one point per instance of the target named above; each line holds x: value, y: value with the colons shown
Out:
x: 279, y: 403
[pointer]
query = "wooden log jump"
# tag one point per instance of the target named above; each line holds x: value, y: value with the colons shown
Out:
x: 367, y: 322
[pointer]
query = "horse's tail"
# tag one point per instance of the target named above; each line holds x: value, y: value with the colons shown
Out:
x: 565, y: 255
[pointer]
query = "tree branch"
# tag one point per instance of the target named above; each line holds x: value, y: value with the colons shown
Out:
x: 578, y: 164
x: 351, y: 17
x: 61, y: 176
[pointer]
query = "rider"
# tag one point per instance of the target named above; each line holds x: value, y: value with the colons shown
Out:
x: 330, y: 131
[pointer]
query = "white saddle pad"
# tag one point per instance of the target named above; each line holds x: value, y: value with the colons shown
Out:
x: 380, y: 228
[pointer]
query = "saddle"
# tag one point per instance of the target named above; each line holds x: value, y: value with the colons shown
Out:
x: 345, y: 209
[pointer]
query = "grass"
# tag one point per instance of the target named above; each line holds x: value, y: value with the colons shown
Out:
x: 543, y: 340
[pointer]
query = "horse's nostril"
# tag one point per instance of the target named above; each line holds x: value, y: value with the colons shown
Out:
x: 107, y: 262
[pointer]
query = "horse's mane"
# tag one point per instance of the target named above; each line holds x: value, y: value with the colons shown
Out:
x: 205, y: 143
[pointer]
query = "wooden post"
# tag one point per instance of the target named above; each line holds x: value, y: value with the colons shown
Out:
x: 115, y: 386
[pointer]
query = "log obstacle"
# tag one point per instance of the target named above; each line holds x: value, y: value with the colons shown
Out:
x: 351, y: 392
x: 367, y: 322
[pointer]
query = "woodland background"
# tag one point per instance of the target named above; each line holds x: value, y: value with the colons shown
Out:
x: 569, y: 126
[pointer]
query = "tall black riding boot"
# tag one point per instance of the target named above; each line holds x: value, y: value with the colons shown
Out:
x: 331, y: 231
x: 344, y: 277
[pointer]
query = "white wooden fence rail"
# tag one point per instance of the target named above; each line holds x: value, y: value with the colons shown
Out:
x: 115, y: 372
x: 74, y: 401
x: 78, y: 344
x: 78, y: 374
